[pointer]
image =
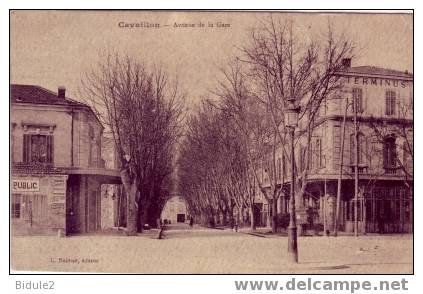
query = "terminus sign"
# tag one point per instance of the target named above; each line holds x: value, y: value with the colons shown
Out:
x: 21, y: 185
x: 376, y: 82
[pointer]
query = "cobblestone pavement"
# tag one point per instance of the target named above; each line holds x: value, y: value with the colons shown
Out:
x: 202, y: 250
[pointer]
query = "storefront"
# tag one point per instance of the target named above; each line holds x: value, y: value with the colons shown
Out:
x: 381, y: 210
x: 385, y: 207
x: 38, y: 204
x: 56, y: 163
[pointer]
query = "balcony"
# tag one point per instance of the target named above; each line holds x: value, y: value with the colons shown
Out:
x: 391, y: 170
x: 98, y: 163
x: 362, y: 168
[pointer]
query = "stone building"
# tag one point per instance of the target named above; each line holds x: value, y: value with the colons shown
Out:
x: 56, y: 165
x: 175, y: 210
x: 384, y: 100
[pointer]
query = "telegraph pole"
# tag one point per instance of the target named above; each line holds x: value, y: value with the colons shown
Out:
x: 356, y: 147
x: 341, y: 165
x: 292, y: 228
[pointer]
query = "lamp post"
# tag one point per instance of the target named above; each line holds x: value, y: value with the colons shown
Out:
x: 291, y: 121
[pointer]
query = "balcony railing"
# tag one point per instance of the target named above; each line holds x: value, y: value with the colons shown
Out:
x: 391, y: 170
x: 362, y: 168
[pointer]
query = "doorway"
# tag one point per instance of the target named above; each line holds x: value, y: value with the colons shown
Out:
x: 180, y: 218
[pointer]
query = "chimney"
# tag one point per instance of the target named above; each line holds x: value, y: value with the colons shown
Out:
x: 346, y: 62
x: 61, y: 91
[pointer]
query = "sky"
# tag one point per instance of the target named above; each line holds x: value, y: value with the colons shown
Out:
x: 52, y: 48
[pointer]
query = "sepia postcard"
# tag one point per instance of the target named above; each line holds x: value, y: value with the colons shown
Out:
x: 211, y: 142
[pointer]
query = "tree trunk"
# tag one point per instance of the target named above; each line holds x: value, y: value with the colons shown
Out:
x: 131, y: 189
x: 141, y: 217
x: 253, y: 218
x: 225, y: 218
x: 239, y: 217
x: 231, y: 217
x: 140, y: 224
x: 144, y: 217
x: 131, y: 215
x: 269, y: 219
x: 275, y: 216
x: 212, y: 220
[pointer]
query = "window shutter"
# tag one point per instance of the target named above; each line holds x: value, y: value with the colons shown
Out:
x: 385, y: 154
x: 311, y: 155
x: 365, y: 100
x: 364, y: 149
x: 50, y: 150
x: 394, y: 154
x: 390, y: 101
x: 301, y: 159
x: 374, y: 149
x: 352, y: 149
x: 26, y: 148
x: 394, y: 102
x: 336, y: 153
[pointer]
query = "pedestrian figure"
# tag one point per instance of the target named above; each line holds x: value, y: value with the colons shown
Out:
x: 381, y: 223
x: 191, y: 221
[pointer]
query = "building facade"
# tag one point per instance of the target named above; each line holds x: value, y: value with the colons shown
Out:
x: 384, y: 102
x: 113, y: 204
x: 56, y: 164
x: 175, y: 210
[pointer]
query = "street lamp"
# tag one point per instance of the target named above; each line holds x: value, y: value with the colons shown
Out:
x: 291, y: 122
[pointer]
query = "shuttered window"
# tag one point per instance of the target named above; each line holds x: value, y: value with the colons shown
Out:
x: 336, y: 147
x: 30, y: 207
x: 38, y: 148
x: 358, y: 99
x: 390, y: 102
x: 389, y: 153
x: 362, y: 149
x: 303, y: 154
x: 279, y: 163
x: 284, y: 167
x: 15, y: 209
x: 316, y: 153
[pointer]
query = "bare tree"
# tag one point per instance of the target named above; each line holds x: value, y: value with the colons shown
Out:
x: 213, y: 170
x: 282, y: 66
x: 141, y: 109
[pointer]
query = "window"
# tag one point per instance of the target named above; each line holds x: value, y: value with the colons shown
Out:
x: 390, y: 103
x: 302, y: 158
x: 30, y: 208
x: 284, y: 167
x: 389, y: 153
x: 15, y: 210
x: 407, y: 151
x: 91, y: 151
x: 279, y: 168
x: 316, y: 153
x: 38, y: 148
x: 361, y: 148
x: 357, y: 94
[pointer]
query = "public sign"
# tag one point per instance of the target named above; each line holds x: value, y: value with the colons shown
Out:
x: 22, y: 185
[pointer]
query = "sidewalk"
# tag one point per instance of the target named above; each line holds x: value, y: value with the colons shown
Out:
x: 266, y: 232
